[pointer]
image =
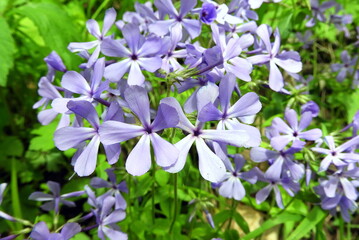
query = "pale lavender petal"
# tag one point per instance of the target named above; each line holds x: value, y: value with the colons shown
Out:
x: 86, y: 162
x: 46, y: 116
x: 166, y: 117
x: 113, y: 152
x: 193, y: 27
x: 210, y: 165
x: 253, y: 133
x: 349, y: 189
x: 291, y: 117
x: 263, y: 194
x: 97, y: 182
x: 276, y: 44
x: 236, y: 138
x: 311, y: 135
x: 112, y: 132
x: 69, y: 230
x: 132, y: 35
x: 114, y: 217
x: 137, y: 99
x: 348, y: 144
x: 40, y: 231
x: 279, y: 142
x: 93, y: 28
x: 115, y: 71
x: 166, y: 7
x: 226, y: 189
x: 226, y: 87
x: 186, y: 6
x: 81, y: 46
x: 233, y: 49
x: 276, y: 81
x: 161, y: 28
x: 263, y: 33
x: 113, y: 234
x: 110, y: 18
x: 114, y: 48
x: 305, y: 120
x: 150, y: 64
x: 97, y: 73
x: 247, y: 105
x: 239, y: 67
x: 139, y: 160
x: 86, y: 110
x: 166, y: 154
x: 238, y: 190
x: 206, y: 94
x: 324, y: 164
x: 275, y: 170
x: 69, y: 137
x: 278, y: 197
x: 94, y: 56
x: 54, y: 187
x: 290, y: 65
x: 75, y: 83
x: 246, y: 41
x: 135, y: 76
x: 40, y: 196
x: 209, y: 113
x: 183, y: 146
x: 259, y: 59
x: 259, y: 154
x: 331, y: 186
x: 281, y: 126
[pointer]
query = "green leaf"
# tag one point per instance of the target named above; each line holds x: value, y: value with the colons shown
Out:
x: 44, y: 141
x: 7, y: 49
x: 270, y: 223
x: 241, y: 222
x: 315, y: 216
x: 11, y: 146
x: 162, y: 177
x: 55, y: 26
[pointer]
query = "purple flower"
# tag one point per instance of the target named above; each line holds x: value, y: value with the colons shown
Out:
x: 94, y: 29
x: 318, y: 11
x: 211, y: 166
x: 55, y: 198
x: 177, y: 19
x: 106, y: 218
x: 230, y: 50
x: 281, y: 163
x: 115, y: 188
x: 337, y: 155
x: 346, y: 68
x: 231, y: 186
x: 311, y: 107
x: 305, y: 38
x: 289, y: 186
x: 41, y: 232
x: 139, y: 160
x: 293, y: 132
x: 244, y: 109
x: 54, y: 63
x: 141, y: 53
x: 289, y: 61
x: 208, y: 13
x: 341, y: 21
x: 75, y: 137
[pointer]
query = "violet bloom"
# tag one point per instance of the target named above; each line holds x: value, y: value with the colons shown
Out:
x: 41, y: 232
x: 54, y: 63
x: 139, y: 160
x: 318, y: 11
x: 115, y: 188
x: 340, y: 22
x: 288, y: 60
x: 210, y: 165
x: 230, y: 50
x: 177, y: 19
x: 106, y: 219
x: 208, y: 13
x: 231, y: 186
x: 74, y: 137
x: 337, y: 155
x: 76, y: 83
x: 293, y: 132
x: 169, y: 61
x: 289, y: 186
x: 346, y: 68
x: 55, y: 198
x: 281, y: 163
x: 305, y: 38
x: 141, y: 53
x: 311, y: 107
x: 94, y: 29
x: 244, y: 109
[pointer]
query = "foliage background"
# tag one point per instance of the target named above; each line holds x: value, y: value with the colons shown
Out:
x: 30, y: 30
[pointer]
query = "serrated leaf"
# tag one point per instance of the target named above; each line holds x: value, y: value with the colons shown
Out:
x: 44, y: 141
x: 315, y: 216
x: 55, y: 26
x: 7, y: 49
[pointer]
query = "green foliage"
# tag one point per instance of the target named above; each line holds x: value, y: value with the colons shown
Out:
x: 7, y: 49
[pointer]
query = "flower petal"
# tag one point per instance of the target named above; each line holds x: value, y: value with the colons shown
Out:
x: 139, y: 160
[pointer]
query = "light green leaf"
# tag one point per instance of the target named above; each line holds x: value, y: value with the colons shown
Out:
x: 315, y: 216
x: 7, y: 49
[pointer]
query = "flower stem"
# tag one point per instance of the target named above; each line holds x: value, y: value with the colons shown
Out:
x: 15, y: 194
x: 175, y: 178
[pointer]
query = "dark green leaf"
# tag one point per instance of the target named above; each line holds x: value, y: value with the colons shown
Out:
x: 7, y: 49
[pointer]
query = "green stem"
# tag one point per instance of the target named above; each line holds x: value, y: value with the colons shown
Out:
x: 153, y: 191
x: 102, y: 6
x: 315, y: 60
x: 233, y: 208
x: 341, y: 229
x: 175, y: 178
x: 15, y: 194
